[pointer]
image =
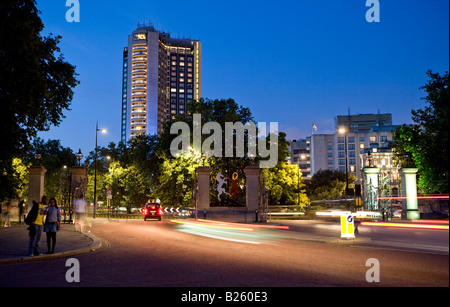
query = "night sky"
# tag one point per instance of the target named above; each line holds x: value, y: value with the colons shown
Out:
x: 292, y: 62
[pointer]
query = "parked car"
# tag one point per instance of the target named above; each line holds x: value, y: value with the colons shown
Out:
x: 152, y: 211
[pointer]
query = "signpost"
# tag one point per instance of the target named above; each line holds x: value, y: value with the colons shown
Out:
x: 108, y: 199
x: 347, y: 226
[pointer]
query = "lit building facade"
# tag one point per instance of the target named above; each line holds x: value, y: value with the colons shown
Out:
x: 364, y: 133
x: 161, y: 75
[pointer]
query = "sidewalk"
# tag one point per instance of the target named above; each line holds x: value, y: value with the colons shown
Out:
x: 14, y: 244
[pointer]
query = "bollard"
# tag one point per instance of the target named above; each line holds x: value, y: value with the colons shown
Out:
x: 347, y: 226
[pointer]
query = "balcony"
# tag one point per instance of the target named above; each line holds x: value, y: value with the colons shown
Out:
x: 138, y: 53
x: 134, y: 94
x: 137, y: 100
x: 140, y: 48
x: 139, y: 70
x: 140, y: 59
x: 139, y: 88
x: 137, y: 122
x: 139, y: 76
x: 138, y: 129
x: 138, y: 111
x: 138, y: 105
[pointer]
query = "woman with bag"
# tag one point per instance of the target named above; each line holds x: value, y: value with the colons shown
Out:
x: 52, y: 224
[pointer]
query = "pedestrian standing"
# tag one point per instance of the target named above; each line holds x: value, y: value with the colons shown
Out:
x: 39, y: 225
x: 21, y: 208
x: 29, y: 220
x: 7, y: 215
x: 79, y: 207
x: 52, y: 224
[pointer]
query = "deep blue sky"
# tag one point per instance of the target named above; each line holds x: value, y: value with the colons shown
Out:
x: 294, y: 62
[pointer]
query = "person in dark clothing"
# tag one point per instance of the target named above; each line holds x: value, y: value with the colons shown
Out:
x: 21, y: 207
x: 32, y: 215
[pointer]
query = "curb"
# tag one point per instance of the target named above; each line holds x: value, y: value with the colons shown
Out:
x: 96, y: 244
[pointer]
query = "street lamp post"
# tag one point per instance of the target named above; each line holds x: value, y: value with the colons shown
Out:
x: 95, y: 166
x: 344, y: 131
x: 79, y: 157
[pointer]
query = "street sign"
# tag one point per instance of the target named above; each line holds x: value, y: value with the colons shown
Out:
x: 109, y: 193
x: 347, y: 226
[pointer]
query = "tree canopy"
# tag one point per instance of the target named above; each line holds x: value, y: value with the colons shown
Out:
x: 425, y: 144
x: 36, y: 83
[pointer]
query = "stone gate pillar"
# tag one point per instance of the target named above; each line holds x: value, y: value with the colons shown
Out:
x: 36, y: 185
x: 203, y: 173
x: 409, y: 189
x: 371, y: 188
x: 79, y: 180
x: 252, y: 180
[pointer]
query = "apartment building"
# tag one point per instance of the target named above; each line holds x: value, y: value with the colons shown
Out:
x: 161, y: 75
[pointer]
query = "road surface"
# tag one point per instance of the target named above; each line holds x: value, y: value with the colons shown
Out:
x: 166, y: 254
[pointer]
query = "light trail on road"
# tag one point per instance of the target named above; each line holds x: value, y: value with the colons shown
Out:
x: 227, y: 231
x: 406, y: 225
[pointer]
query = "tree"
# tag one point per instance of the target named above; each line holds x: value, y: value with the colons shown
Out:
x: 425, y: 144
x: 53, y: 157
x: 284, y: 182
x: 36, y: 84
x: 329, y: 184
x: 176, y: 175
x: 21, y: 176
x: 176, y: 180
x: 285, y: 185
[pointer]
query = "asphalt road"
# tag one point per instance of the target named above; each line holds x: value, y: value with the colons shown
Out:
x: 163, y: 254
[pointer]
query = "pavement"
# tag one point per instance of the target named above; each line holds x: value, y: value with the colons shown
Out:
x: 14, y: 244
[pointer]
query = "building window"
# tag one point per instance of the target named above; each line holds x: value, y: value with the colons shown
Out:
x: 373, y: 139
